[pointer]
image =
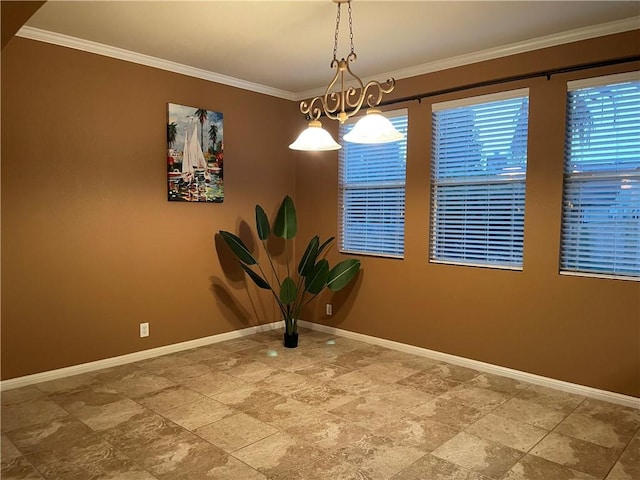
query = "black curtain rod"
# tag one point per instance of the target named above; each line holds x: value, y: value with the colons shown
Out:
x: 515, y: 78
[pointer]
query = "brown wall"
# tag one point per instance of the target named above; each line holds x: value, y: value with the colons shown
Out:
x: 90, y: 245
x: 582, y: 330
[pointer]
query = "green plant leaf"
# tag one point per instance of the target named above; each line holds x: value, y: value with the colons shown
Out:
x: 325, y: 244
x: 257, y: 279
x: 316, y: 280
x: 288, y: 291
x: 238, y: 247
x: 262, y: 223
x: 286, y: 223
x: 309, y: 257
x: 342, y: 274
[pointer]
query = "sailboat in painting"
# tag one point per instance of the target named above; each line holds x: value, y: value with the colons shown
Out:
x: 192, y: 156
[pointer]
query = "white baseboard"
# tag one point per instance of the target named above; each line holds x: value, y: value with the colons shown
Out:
x: 132, y: 357
x: 574, y: 388
x: 618, y: 398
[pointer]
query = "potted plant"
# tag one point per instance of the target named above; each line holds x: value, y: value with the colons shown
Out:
x: 298, y: 288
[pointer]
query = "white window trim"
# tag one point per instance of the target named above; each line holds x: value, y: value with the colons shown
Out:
x: 389, y: 114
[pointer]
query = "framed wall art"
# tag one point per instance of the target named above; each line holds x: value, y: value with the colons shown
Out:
x: 195, y: 154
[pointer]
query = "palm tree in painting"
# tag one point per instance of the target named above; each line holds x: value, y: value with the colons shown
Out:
x: 172, y: 132
x: 213, y: 135
x: 202, y: 116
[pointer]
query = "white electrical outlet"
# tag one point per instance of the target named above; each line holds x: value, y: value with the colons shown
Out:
x: 144, y: 329
x: 329, y: 309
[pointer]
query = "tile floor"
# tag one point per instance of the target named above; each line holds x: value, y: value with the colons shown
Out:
x: 332, y: 409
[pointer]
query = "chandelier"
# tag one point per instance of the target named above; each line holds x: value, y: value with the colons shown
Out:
x: 345, y: 103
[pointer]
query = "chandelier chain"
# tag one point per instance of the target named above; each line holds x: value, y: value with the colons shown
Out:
x: 351, y: 29
x: 337, y: 34
x: 335, y: 40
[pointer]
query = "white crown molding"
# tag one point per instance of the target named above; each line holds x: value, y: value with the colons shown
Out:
x: 132, y: 357
x: 562, y: 38
x: 569, y: 36
x: 139, y: 58
x: 576, y: 389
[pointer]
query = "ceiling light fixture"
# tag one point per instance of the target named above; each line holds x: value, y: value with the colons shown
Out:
x: 372, y: 128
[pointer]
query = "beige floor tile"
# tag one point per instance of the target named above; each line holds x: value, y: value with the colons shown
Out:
x: 622, y: 417
x: 180, y: 372
x: 507, y: 431
x: 455, y: 414
x: 628, y: 465
x: 8, y: 450
x: 68, y: 384
x: 356, y: 383
x: 18, y: 468
x: 283, y: 413
x: 199, y: 413
x: 163, y: 362
x: 94, y: 396
x: 414, y: 431
x: 322, y: 372
x: 429, y: 383
x: 387, y: 373
x: 168, y: 398
x: 334, y: 408
x: 536, y: 468
x: 324, y: 396
x: 530, y: 412
x: 225, y: 468
x: 377, y: 457
x: 214, y: 383
x: 605, y: 433
x: 109, y: 415
x: 139, y: 382
x: 29, y: 413
x: 246, y: 396
x: 20, y: 395
x: 453, y: 372
x: 252, y: 372
x: 563, y: 401
x: 46, y: 436
x: 236, y: 431
x: 278, y: 456
x: 368, y: 413
x: 434, y: 468
x: 576, y: 454
x: 479, y: 455
x: 480, y: 398
x: 87, y: 457
x: 285, y: 383
x: 328, y: 432
x: 498, y: 384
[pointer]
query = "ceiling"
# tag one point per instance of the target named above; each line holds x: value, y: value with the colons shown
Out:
x: 287, y: 46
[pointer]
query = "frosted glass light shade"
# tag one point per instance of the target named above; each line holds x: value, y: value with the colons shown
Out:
x: 373, y: 128
x: 315, y: 138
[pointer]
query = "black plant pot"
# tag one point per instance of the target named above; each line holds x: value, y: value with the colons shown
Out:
x: 291, y: 341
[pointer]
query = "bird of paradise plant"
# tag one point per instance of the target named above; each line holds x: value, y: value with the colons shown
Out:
x: 313, y: 273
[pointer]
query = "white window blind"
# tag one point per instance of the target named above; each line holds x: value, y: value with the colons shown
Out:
x: 601, y: 207
x: 372, y: 192
x: 478, y: 174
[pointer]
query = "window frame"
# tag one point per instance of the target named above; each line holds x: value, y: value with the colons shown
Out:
x: 344, y: 187
x: 583, y: 178
x: 488, y: 180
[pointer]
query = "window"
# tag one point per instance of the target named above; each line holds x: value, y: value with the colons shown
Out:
x: 372, y: 184
x: 601, y: 205
x: 478, y: 174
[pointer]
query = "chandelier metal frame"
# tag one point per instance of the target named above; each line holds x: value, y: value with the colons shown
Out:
x: 343, y: 104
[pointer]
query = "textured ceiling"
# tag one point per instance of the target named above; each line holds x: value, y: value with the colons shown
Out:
x: 288, y: 45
